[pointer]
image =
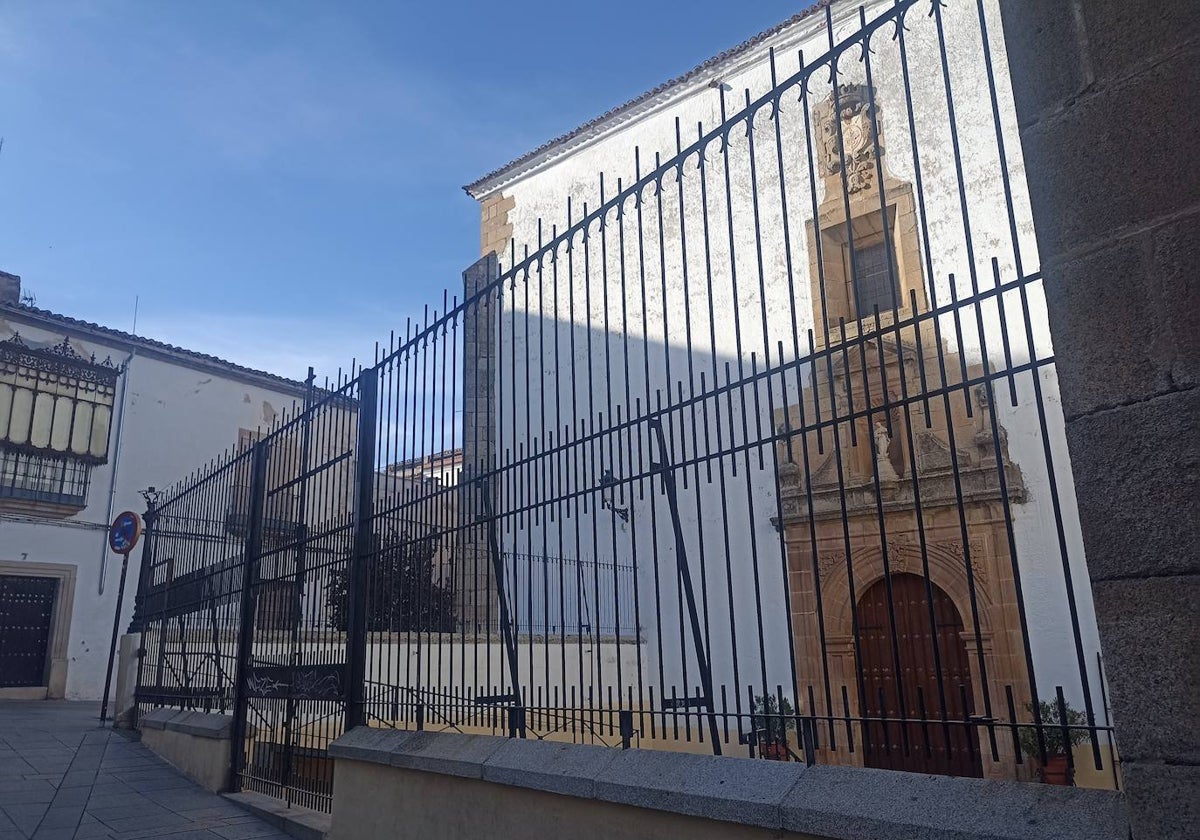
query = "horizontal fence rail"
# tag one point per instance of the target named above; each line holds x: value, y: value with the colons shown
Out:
x: 760, y: 453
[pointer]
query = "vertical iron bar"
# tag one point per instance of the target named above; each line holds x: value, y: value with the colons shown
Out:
x: 253, y: 548
x: 506, y: 630
x: 364, y: 544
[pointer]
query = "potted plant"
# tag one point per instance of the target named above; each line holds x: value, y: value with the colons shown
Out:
x: 772, y: 719
x: 1056, y: 770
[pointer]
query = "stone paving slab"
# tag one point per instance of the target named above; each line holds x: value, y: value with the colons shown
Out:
x: 63, y: 776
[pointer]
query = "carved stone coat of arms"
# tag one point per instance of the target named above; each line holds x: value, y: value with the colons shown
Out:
x: 854, y: 151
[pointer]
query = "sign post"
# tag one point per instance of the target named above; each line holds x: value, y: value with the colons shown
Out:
x: 123, y: 536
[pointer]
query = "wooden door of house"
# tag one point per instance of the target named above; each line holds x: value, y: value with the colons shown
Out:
x: 26, y: 613
x: 919, y: 746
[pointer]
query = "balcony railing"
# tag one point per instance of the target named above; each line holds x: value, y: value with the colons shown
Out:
x: 48, y: 479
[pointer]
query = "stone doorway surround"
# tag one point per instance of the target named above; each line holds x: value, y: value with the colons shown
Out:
x: 831, y: 509
x: 60, y: 627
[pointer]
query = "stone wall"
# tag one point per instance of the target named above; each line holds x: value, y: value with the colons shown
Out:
x: 479, y: 438
x: 1108, y: 101
x: 495, y: 231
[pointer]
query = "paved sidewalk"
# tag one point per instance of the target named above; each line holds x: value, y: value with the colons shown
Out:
x: 64, y: 776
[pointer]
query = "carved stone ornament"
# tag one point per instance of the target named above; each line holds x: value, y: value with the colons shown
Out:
x: 978, y: 569
x: 828, y: 563
x: 790, y: 473
x: 854, y: 108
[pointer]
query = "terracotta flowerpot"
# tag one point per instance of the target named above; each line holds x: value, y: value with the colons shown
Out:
x: 1057, y: 771
x: 774, y: 752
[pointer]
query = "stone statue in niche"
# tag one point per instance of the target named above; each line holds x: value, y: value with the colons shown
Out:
x: 855, y: 108
x: 883, y: 442
x: 983, y: 431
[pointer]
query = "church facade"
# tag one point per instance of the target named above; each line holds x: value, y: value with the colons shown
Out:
x: 849, y: 278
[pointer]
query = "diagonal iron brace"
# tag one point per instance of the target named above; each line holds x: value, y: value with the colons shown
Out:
x: 685, y: 575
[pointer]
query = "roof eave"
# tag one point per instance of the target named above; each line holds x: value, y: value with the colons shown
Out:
x: 586, y: 135
x: 52, y: 321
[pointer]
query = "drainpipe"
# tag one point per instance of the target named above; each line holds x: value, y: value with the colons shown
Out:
x: 116, y: 462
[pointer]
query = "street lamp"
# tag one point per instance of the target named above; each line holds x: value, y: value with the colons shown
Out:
x: 608, y: 485
x: 151, y: 494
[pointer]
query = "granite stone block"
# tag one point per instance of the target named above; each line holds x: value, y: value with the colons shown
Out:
x: 1130, y: 176
x: 451, y: 755
x: 1164, y: 800
x: 157, y: 718
x: 1151, y: 642
x: 569, y: 769
x: 1124, y: 39
x: 1137, y: 478
x: 713, y: 787
x: 365, y: 743
x: 202, y: 725
x: 1051, y: 78
x: 1175, y: 255
x: 851, y: 803
x: 1107, y: 361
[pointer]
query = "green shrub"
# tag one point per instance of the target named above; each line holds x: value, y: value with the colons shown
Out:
x: 1052, y: 734
x: 773, y: 717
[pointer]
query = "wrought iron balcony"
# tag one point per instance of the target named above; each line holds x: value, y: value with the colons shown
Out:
x: 52, y: 483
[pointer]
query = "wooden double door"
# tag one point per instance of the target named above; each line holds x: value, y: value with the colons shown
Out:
x: 921, y: 743
x: 26, y: 616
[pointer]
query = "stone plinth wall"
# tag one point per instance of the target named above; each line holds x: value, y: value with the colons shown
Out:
x: 198, y: 744
x: 427, y: 785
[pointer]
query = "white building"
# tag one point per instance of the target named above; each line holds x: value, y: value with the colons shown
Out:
x: 89, y: 416
x: 700, y: 273
x: 443, y: 468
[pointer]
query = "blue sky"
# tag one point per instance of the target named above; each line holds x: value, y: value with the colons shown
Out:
x: 279, y: 182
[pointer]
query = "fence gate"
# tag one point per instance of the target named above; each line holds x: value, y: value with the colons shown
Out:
x: 293, y: 676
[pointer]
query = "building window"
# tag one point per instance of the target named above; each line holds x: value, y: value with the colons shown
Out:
x: 874, y: 279
x: 44, y: 478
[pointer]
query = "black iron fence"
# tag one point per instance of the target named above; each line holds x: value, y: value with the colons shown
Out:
x: 762, y: 454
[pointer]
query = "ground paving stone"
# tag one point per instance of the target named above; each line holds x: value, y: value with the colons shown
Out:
x: 245, y: 831
x: 65, y: 777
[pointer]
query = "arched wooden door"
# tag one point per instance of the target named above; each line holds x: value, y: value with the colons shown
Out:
x: 930, y: 748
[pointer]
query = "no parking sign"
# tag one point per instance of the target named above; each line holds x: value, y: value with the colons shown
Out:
x: 123, y: 536
x: 124, y: 532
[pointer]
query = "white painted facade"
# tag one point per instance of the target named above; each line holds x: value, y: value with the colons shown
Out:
x: 173, y: 410
x: 580, y: 340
